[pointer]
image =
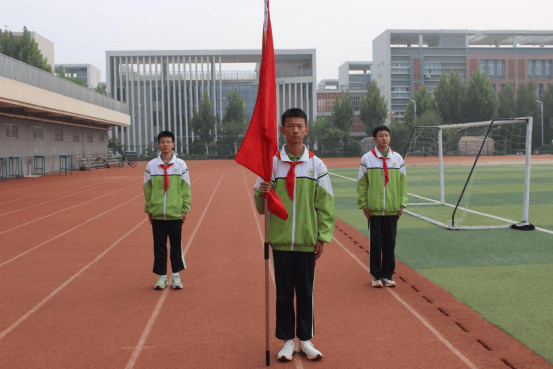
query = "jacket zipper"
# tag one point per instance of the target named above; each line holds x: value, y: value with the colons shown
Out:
x: 384, y: 182
x: 293, y: 239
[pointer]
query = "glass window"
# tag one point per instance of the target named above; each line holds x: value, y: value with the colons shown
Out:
x: 490, y: 68
x: 11, y: 131
x: 529, y: 67
x: 75, y: 136
x: 500, y: 68
x: 59, y: 135
x: 547, y: 67
x: 482, y: 66
x: 538, y: 67
x: 37, y: 133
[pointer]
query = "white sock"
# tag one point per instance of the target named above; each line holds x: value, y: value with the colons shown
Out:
x: 175, y: 274
x: 164, y: 276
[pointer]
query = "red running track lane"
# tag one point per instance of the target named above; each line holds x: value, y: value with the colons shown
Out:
x: 85, y: 299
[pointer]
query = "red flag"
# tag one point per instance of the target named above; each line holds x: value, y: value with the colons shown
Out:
x: 260, y: 142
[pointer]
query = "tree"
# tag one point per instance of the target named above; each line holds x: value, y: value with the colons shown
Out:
x: 547, y: 100
x: 409, y: 116
x: 327, y: 137
x: 24, y: 49
x: 528, y: 107
x: 450, y: 95
x: 507, y: 102
x: 342, y: 113
x: 233, y: 124
x: 373, y: 109
x: 78, y: 80
x: 61, y: 72
x: 101, y: 90
x: 481, y: 103
x: 203, y: 122
x: 115, y: 145
x: 425, y: 102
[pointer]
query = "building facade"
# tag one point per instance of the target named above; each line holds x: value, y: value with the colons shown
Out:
x: 89, y: 73
x: 404, y: 60
x: 353, y: 77
x: 44, y: 117
x: 164, y: 88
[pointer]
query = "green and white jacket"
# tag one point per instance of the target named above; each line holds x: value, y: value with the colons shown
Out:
x: 311, y: 214
x: 176, y: 201
x: 371, y: 192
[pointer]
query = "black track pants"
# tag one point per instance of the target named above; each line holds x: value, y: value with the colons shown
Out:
x: 294, y: 272
x: 161, y: 230
x: 382, y: 232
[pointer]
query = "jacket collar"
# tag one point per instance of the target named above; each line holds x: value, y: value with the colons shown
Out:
x: 284, y: 156
x: 159, y: 160
x: 379, y: 155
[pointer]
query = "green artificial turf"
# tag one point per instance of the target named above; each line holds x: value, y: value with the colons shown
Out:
x: 517, y: 298
x: 504, y: 275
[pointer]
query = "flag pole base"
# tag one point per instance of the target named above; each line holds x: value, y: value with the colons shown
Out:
x: 267, y: 358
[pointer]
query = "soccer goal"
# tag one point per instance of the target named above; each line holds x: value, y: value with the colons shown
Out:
x: 471, y: 175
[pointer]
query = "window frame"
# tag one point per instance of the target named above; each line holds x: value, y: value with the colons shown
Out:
x: 11, y: 131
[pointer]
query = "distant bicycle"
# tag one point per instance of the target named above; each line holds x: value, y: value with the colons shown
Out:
x: 130, y: 162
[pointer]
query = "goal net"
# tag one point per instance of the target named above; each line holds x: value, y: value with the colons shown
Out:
x: 471, y: 175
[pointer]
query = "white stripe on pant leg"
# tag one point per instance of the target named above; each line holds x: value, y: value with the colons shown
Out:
x: 313, y: 306
x: 182, y: 253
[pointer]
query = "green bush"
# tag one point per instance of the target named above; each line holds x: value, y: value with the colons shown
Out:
x: 546, y: 149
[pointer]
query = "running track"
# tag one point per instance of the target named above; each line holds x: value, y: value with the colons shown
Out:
x: 76, y: 287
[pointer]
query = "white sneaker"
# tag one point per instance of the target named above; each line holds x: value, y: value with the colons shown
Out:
x: 161, y: 283
x: 377, y: 283
x: 388, y: 282
x: 310, y: 351
x: 287, y: 351
x: 176, y: 283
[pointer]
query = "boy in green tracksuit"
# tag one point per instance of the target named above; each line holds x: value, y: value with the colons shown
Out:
x: 167, y: 193
x: 382, y: 195
x: 302, y: 182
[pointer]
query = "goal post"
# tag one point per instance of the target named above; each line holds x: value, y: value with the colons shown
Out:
x: 471, y: 175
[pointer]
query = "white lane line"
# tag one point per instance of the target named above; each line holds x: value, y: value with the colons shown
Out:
x: 62, y: 210
x: 66, y: 232
x: 450, y: 205
x: 49, y: 201
x: 417, y: 315
x: 296, y: 356
x: 57, y: 290
x: 148, y: 329
x: 42, y: 192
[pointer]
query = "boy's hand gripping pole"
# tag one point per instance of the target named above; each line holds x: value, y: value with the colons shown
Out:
x: 266, y: 252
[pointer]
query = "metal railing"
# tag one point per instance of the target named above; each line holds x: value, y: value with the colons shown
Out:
x: 25, y: 73
x: 351, y: 86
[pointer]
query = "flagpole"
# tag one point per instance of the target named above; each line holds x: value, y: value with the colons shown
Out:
x: 266, y: 248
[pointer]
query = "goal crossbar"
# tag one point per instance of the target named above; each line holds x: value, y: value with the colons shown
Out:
x: 490, y: 124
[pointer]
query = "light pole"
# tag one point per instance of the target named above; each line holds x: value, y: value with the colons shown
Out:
x: 541, y: 113
x: 415, y: 112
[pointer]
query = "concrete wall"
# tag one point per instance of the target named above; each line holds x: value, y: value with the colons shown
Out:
x: 26, y: 146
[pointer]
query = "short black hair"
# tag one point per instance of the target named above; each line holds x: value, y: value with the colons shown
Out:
x: 380, y: 128
x: 165, y: 134
x: 293, y: 113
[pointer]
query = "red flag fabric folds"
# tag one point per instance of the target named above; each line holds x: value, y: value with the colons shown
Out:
x: 261, y: 142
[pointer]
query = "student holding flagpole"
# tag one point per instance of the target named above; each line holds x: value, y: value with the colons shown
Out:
x: 302, y: 182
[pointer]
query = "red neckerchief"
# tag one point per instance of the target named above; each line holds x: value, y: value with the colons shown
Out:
x: 291, y: 176
x: 166, y: 181
x: 384, y: 165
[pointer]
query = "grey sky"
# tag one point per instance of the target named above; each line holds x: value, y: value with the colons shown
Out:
x: 340, y: 30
